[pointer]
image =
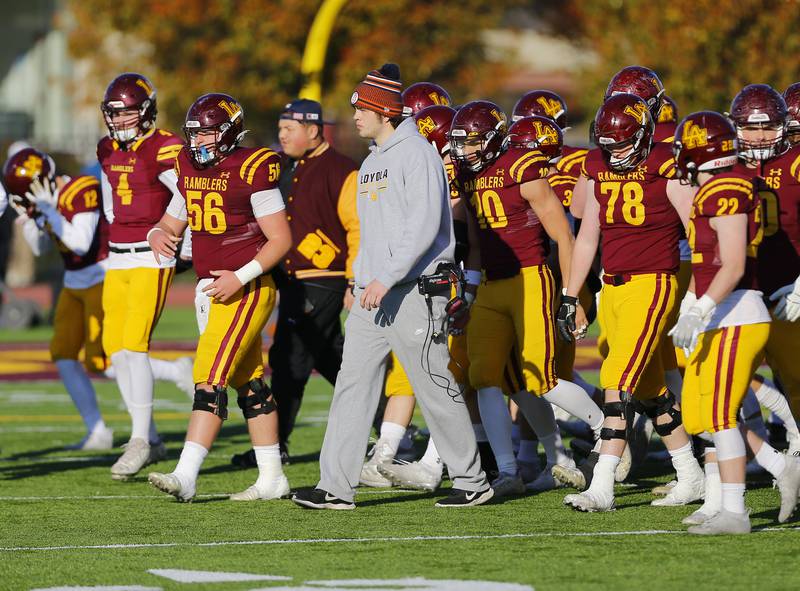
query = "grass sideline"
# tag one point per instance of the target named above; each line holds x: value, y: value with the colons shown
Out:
x: 53, y: 498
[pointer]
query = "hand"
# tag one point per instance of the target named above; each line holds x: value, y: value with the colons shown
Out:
x: 224, y: 286
x: 373, y: 295
x: 458, y: 323
x: 689, y: 300
x: 41, y: 193
x: 163, y: 244
x: 788, y: 297
x: 24, y: 208
x: 581, y: 324
x: 684, y: 334
x: 349, y: 298
x: 566, y: 318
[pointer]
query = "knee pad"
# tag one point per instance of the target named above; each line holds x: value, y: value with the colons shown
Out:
x: 260, y: 396
x: 623, y: 410
x: 660, y: 406
x: 215, y: 402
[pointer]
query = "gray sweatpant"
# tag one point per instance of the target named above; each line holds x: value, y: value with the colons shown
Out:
x: 401, y: 325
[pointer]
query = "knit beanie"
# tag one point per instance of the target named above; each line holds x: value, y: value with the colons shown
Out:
x: 381, y: 92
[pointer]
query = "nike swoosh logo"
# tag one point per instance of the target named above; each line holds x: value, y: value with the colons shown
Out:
x: 472, y: 495
x: 329, y: 497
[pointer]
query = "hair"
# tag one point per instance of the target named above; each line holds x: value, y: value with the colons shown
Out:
x: 395, y: 121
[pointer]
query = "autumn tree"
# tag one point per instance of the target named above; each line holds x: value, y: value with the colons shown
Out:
x: 252, y: 48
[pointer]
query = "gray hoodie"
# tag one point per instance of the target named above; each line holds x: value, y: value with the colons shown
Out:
x: 403, y: 210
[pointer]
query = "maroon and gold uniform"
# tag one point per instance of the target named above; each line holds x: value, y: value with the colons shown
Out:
x: 567, y: 171
x: 728, y: 353
x: 640, y: 230
x: 226, y: 236
x: 513, y: 308
x: 135, y: 289
x: 664, y: 132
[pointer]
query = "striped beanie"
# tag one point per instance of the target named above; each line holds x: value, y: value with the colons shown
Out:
x: 381, y: 91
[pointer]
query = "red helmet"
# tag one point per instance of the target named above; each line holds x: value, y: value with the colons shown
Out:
x: 218, y: 113
x: 544, y: 103
x: 434, y: 124
x: 759, y: 106
x: 669, y: 111
x: 423, y: 94
x: 536, y: 133
x: 25, y: 166
x: 640, y: 81
x: 792, y: 98
x: 478, y: 123
x: 129, y: 93
x: 624, y: 121
x: 704, y: 141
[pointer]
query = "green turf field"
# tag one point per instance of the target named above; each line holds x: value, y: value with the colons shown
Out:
x: 66, y: 524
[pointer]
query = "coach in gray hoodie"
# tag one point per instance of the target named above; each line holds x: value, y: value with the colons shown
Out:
x: 406, y: 231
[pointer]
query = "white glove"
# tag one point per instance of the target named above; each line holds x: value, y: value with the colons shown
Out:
x: 41, y: 194
x: 788, y: 297
x: 691, y: 323
x: 689, y: 300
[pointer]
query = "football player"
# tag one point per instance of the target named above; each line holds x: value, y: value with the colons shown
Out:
x: 136, y: 158
x: 792, y: 97
x: 514, y: 212
x: 229, y: 197
x: 421, y: 95
x: 723, y: 324
x: 634, y: 212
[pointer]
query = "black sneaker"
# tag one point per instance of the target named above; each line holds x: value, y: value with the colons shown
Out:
x: 466, y: 498
x: 321, y: 499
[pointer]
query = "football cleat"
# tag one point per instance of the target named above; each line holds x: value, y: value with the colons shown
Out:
x: 414, y: 475
x: 381, y: 454
x: 700, y: 516
x: 590, y: 502
x: 170, y: 484
x: 664, y: 489
x: 723, y: 522
x: 569, y: 476
x: 624, y: 466
x: 508, y: 484
x: 546, y: 481
x: 138, y: 454
x: 686, y: 491
x: 788, y: 484
x: 101, y: 438
x: 278, y: 489
x: 317, y: 498
x: 465, y: 498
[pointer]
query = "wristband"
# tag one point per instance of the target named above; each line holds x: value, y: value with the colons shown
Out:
x: 154, y: 229
x: 246, y: 273
x: 473, y: 277
x: 705, y: 305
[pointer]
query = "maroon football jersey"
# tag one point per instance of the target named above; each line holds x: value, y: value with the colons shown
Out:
x: 225, y: 233
x: 728, y: 193
x: 566, y: 174
x: 139, y: 198
x: 82, y: 195
x: 779, y: 252
x: 639, y: 227
x: 511, y: 236
x: 665, y: 132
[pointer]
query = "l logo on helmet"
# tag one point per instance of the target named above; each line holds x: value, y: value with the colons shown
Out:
x: 232, y: 110
x: 637, y: 110
x: 694, y: 136
x: 497, y: 115
x: 438, y: 99
x: 666, y: 114
x: 545, y: 134
x: 551, y: 106
x: 32, y: 167
x: 143, y: 84
x: 426, y: 126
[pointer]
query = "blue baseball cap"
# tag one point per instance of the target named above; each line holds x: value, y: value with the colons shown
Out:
x: 304, y: 111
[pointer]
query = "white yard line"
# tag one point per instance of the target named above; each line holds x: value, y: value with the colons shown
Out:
x: 592, y: 534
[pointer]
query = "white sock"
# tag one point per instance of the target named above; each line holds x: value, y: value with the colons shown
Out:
x: 188, y: 467
x: 497, y: 423
x: 80, y: 390
x: 122, y: 374
x: 603, y: 478
x: 141, y: 402
x: 529, y: 451
x: 268, y: 458
x: 586, y: 386
x: 674, y: 382
x: 733, y: 497
x: 431, y: 457
x: 771, y: 459
x: 391, y: 434
x: 480, y: 433
x: 538, y: 412
x: 770, y: 397
x: 751, y: 412
x: 574, y: 400
x: 712, y: 502
x: 163, y: 369
x: 685, y: 464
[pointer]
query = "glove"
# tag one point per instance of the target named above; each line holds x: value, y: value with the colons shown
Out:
x: 691, y: 323
x: 788, y: 297
x: 687, y: 302
x: 41, y: 194
x: 565, y: 320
